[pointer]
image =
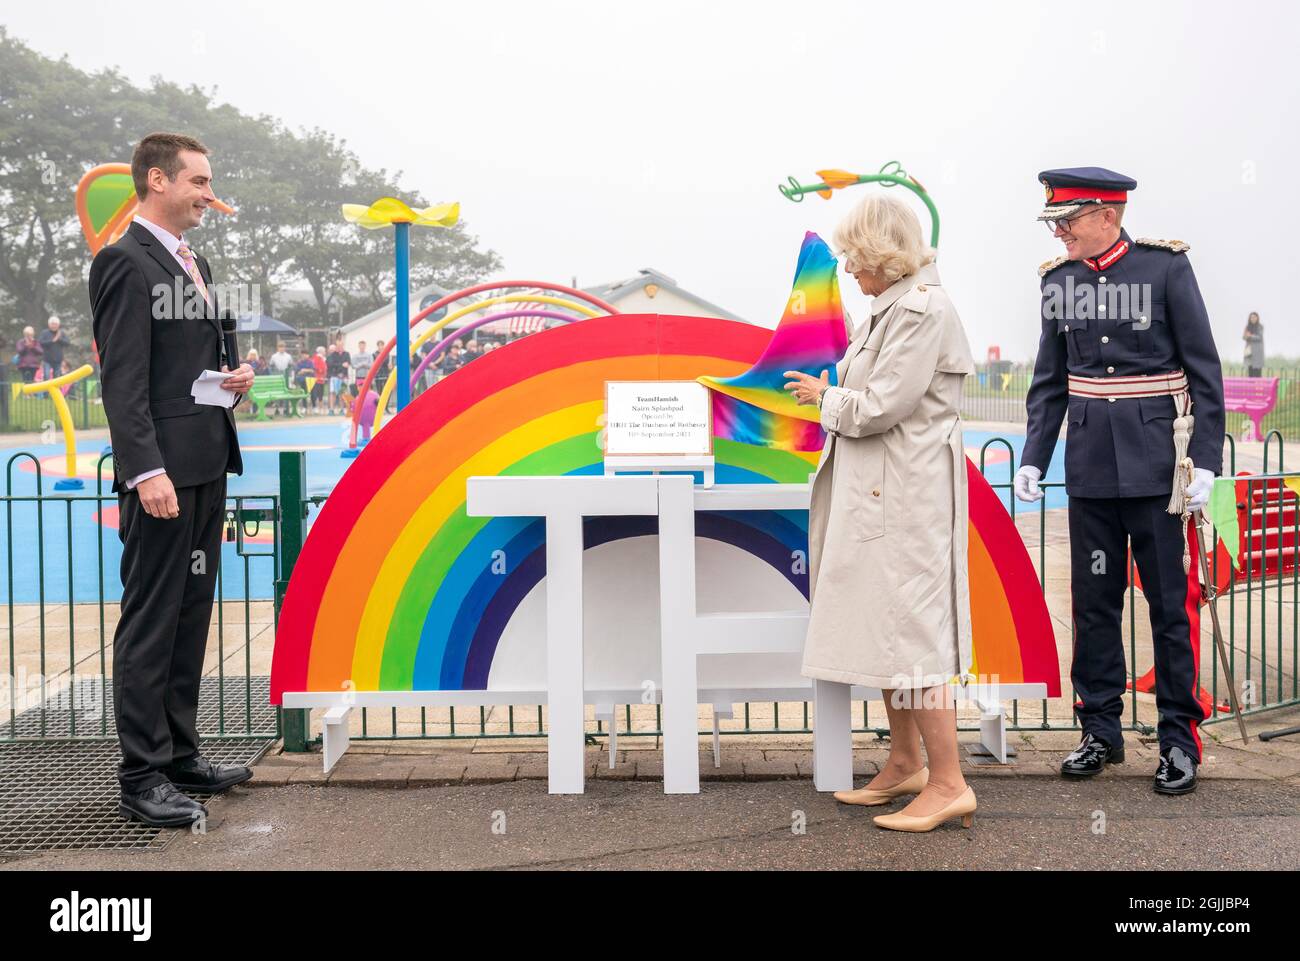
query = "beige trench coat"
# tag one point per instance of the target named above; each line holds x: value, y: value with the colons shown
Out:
x: 890, y: 605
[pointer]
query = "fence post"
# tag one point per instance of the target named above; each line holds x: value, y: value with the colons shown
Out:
x: 295, y: 723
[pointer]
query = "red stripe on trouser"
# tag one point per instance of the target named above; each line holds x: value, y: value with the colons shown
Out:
x: 1192, y: 605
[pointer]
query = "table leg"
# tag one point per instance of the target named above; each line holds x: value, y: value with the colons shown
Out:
x: 832, y: 736
x: 677, y: 639
x: 565, y: 747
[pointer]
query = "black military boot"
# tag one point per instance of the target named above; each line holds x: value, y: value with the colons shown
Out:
x: 161, y: 806
x: 1177, y: 772
x: 1091, y: 756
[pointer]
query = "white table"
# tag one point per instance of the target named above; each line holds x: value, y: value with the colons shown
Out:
x: 684, y: 633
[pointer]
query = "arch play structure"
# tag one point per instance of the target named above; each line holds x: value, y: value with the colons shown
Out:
x: 530, y: 299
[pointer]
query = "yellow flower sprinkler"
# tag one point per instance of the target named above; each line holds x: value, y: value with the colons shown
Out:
x: 390, y: 211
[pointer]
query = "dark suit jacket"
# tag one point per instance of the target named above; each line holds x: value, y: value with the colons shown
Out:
x: 151, y: 349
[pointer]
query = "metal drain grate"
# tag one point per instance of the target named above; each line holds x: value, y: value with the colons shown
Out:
x: 62, y: 794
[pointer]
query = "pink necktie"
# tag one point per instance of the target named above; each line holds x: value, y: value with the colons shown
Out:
x: 191, y: 268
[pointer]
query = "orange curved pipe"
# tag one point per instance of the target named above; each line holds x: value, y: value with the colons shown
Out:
x: 120, y: 220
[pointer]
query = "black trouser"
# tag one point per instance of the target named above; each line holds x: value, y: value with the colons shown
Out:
x: 1100, y: 531
x: 161, y: 637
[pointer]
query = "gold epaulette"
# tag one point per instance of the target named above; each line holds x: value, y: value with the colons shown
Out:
x: 1177, y: 246
x: 1047, y: 266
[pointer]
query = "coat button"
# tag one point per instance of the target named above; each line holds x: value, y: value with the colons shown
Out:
x: 1105, y: 340
x: 921, y: 287
x: 1067, y: 328
x: 1101, y: 308
x: 876, y: 492
x: 1111, y: 399
x: 1101, y: 280
x: 1142, y: 320
x: 1110, y: 370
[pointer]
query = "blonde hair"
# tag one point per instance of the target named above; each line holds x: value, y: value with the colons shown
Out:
x: 882, y: 235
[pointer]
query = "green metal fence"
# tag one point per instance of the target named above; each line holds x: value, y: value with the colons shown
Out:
x: 1267, y: 674
x: 57, y: 550
x: 61, y: 592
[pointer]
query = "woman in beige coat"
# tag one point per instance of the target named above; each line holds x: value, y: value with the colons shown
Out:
x: 887, y: 522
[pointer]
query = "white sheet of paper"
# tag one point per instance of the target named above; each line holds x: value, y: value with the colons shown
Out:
x: 207, y: 389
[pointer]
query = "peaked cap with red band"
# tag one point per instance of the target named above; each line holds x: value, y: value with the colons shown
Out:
x: 1071, y: 188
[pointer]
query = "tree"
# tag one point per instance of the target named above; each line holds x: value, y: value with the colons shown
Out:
x: 56, y: 122
x: 52, y: 128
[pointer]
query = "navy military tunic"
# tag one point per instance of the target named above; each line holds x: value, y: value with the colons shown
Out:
x: 1133, y: 310
x: 1139, y: 313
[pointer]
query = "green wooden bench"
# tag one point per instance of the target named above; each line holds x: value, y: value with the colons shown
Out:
x: 269, y: 388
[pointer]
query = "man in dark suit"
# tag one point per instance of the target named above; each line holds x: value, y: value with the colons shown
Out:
x: 1127, y: 354
x: 157, y: 329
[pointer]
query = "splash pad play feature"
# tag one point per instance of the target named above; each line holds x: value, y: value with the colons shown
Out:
x: 580, y: 304
x: 54, y: 387
x: 106, y: 202
x: 391, y: 212
x: 891, y: 174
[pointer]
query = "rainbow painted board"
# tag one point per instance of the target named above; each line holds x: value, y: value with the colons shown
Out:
x: 397, y: 589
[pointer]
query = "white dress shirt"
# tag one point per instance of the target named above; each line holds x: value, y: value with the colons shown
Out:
x: 171, y: 242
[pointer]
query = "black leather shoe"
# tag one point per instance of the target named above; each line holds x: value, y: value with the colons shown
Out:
x: 1177, y: 772
x: 1091, y: 756
x: 161, y: 806
x: 200, y: 774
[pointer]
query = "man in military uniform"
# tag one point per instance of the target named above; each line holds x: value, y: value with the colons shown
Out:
x: 1127, y: 353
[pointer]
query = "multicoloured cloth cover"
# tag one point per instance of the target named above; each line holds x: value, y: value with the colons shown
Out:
x: 754, y: 407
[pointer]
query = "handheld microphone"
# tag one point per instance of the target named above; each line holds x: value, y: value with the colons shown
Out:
x: 229, y: 345
x: 228, y: 336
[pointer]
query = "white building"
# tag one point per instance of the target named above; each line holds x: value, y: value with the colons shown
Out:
x: 651, y: 292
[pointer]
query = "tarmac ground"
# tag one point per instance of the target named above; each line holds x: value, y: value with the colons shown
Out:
x: 452, y: 807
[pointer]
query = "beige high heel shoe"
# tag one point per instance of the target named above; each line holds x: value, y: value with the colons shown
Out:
x: 962, y: 806
x: 870, y: 797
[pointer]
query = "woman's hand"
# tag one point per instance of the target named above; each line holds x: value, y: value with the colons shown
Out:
x: 806, y: 389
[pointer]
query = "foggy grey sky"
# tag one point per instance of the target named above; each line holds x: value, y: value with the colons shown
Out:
x: 594, y: 139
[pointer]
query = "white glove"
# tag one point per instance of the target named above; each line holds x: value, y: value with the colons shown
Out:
x: 1198, y: 491
x: 1027, y: 484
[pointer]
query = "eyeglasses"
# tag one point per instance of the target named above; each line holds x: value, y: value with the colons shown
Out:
x: 1065, y: 222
